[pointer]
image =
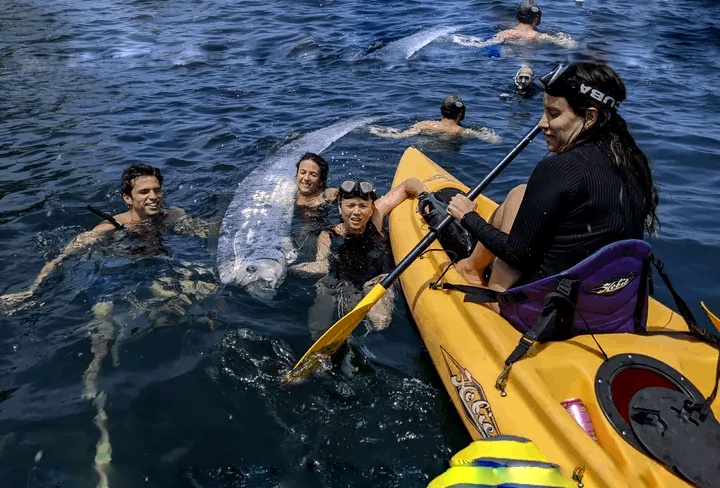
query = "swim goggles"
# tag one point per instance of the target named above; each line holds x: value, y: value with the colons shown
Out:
x: 357, y: 188
x: 559, y: 83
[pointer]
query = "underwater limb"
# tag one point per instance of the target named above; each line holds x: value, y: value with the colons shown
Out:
x: 103, y: 333
x: 380, y: 315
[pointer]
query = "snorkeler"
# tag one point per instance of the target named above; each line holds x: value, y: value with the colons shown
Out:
x: 529, y: 16
x: 452, y: 112
x: 524, y: 82
x: 354, y: 255
x: 142, y: 193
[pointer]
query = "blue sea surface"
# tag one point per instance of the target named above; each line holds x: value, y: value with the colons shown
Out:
x: 208, y: 90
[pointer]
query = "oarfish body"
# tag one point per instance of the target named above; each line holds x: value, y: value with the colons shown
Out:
x: 255, y: 246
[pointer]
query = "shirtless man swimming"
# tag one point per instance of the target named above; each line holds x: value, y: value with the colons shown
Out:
x: 529, y: 16
x: 142, y: 193
x: 452, y: 112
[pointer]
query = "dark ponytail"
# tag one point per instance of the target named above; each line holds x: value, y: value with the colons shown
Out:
x: 610, y: 131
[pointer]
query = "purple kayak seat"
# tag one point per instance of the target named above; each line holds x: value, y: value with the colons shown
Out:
x: 606, y: 292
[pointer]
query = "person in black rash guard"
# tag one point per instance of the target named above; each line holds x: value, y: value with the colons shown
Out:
x: 354, y: 254
x: 597, y: 189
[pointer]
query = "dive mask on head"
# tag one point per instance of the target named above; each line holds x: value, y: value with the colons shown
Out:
x: 523, y: 78
x: 559, y: 83
x: 357, y: 189
x: 452, y: 106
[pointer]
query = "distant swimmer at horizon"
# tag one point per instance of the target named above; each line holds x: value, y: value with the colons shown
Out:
x: 452, y: 111
x: 529, y: 16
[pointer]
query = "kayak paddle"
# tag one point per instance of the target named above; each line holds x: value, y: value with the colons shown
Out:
x: 333, y: 338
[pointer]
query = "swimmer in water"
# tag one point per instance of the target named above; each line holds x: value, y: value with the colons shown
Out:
x: 141, y: 189
x: 311, y: 178
x: 529, y: 16
x: 142, y: 193
x: 452, y: 111
x: 524, y: 82
x: 354, y: 254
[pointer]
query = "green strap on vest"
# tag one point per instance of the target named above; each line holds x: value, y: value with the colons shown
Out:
x: 501, y: 461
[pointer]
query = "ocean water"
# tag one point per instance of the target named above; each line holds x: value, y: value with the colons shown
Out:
x: 208, y: 90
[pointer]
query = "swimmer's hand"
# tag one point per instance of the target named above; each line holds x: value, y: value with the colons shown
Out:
x: 561, y: 39
x: 474, y: 41
x: 314, y: 268
x: 385, y: 131
x: 332, y: 194
x: 14, y: 302
x: 484, y: 134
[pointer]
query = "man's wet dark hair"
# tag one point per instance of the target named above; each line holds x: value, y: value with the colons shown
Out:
x: 136, y: 171
x: 452, y: 106
x: 528, y: 11
x: 322, y: 164
x: 586, y: 85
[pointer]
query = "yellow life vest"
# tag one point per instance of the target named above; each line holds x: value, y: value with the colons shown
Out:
x: 501, y: 461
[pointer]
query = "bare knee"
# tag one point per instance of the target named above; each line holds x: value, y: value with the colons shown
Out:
x: 507, y: 211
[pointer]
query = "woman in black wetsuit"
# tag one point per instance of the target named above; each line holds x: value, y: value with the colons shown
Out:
x: 354, y: 254
x: 597, y: 189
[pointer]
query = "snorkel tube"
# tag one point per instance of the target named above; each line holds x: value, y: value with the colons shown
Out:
x: 107, y: 217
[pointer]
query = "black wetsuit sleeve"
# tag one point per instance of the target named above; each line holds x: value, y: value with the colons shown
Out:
x: 550, y: 189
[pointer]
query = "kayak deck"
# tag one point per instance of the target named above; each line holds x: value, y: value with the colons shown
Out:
x: 469, y: 343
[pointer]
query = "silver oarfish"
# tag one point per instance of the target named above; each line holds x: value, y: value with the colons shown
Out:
x: 407, y: 46
x: 255, y: 246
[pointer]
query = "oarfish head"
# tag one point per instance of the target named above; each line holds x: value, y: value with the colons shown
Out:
x: 260, y: 278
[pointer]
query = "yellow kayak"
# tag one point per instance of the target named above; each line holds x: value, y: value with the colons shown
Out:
x: 469, y: 343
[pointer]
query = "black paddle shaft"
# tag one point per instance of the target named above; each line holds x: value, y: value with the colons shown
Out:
x: 474, y: 193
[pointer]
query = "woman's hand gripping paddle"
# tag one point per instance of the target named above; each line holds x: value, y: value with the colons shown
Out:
x: 335, y: 335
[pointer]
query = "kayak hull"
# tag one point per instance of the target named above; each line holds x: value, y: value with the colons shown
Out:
x: 469, y: 342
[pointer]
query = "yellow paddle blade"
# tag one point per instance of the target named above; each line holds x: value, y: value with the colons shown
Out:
x: 333, y: 338
x: 713, y: 318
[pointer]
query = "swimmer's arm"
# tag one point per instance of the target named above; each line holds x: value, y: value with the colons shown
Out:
x: 321, y: 265
x: 80, y: 242
x: 395, y: 133
x: 474, y: 42
x: 331, y: 194
x: 410, y: 188
x: 184, y: 225
x: 560, y: 39
x: 484, y: 134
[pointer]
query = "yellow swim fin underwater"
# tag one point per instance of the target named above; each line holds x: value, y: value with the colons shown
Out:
x: 501, y: 461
